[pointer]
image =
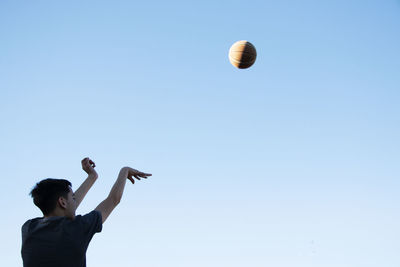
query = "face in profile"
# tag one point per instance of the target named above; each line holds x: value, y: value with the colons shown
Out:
x: 69, y: 205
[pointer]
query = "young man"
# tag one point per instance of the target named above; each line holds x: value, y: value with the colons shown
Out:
x: 60, y: 239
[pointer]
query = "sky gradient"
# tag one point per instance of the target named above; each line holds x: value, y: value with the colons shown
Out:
x: 292, y: 162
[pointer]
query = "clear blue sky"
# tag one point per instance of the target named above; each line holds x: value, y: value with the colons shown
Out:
x: 293, y: 162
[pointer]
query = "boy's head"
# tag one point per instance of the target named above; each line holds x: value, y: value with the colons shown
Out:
x: 54, y: 196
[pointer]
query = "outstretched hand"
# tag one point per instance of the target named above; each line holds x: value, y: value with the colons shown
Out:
x: 132, y: 173
x: 88, y: 166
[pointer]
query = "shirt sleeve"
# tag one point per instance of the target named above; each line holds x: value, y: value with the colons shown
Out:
x: 92, y: 222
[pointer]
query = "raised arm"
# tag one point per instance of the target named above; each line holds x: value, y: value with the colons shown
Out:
x: 88, y: 166
x: 113, y: 199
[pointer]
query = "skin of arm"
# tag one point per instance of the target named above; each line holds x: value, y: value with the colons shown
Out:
x: 115, y: 195
x: 88, y: 166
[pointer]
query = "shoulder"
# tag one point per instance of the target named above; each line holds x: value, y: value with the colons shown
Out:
x: 90, y: 221
x: 91, y: 216
x: 32, y: 226
x: 29, y: 223
x: 25, y: 228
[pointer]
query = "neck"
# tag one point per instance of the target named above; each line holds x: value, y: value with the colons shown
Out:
x: 55, y: 213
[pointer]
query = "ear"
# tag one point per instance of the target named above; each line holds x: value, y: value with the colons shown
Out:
x: 62, y: 202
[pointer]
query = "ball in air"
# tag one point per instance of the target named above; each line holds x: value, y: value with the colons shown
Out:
x: 242, y: 54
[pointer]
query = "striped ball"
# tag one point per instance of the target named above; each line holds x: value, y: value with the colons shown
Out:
x: 242, y: 54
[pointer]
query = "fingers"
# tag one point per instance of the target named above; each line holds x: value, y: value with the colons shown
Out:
x: 85, y: 161
x: 143, y: 175
x: 91, y: 162
x: 134, y: 172
x: 131, y: 179
x: 88, y: 162
x: 137, y: 175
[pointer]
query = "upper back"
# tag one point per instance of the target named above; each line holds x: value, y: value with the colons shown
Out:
x: 58, y: 241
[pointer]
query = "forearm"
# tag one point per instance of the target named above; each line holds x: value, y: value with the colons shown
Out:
x: 81, y: 192
x: 118, y: 188
x: 112, y: 200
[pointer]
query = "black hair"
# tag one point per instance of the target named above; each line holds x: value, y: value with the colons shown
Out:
x: 46, y: 193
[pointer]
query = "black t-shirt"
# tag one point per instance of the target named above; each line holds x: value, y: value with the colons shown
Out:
x: 58, y: 241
